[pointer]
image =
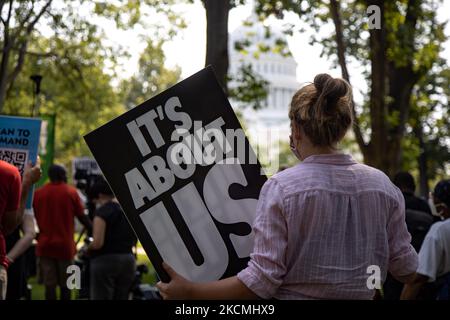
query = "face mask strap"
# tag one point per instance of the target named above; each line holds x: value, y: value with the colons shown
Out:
x: 432, y: 206
x: 443, y: 205
x: 293, y: 147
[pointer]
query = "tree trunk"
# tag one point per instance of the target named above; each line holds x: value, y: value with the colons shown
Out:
x: 387, y: 80
x: 217, y: 38
x: 4, y: 76
x: 6, y: 52
x: 402, y: 79
x: 401, y: 83
x: 377, y: 42
x: 422, y: 162
x: 340, y: 45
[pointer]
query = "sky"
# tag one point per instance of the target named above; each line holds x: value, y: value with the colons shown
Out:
x: 191, y: 42
x: 194, y: 55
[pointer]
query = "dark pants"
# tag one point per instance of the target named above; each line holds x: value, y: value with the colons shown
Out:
x: 112, y: 276
x: 17, y: 280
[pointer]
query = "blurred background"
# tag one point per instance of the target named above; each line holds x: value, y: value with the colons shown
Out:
x: 78, y: 64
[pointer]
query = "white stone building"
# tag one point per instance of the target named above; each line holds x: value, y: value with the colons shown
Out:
x: 278, y: 70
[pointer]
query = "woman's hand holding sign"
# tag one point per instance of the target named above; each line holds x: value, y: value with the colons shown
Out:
x: 180, y: 288
x: 177, y: 289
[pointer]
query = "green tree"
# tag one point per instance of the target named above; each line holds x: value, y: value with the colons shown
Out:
x: 79, y: 90
x: 21, y: 20
x: 249, y: 87
x: 75, y: 87
x: 397, y: 57
x: 18, y: 21
x: 55, y: 40
x: 151, y: 78
x: 217, y: 55
x: 429, y: 128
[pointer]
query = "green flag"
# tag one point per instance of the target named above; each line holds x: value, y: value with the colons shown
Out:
x: 46, y: 145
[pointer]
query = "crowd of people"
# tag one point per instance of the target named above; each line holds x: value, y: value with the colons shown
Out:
x: 319, y: 225
x: 55, y: 207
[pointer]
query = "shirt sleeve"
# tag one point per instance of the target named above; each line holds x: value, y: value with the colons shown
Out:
x: 15, y: 193
x: 402, y: 256
x: 29, y: 212
x: 429, y: 254
x: 267, y: 265
x: 106, y: 212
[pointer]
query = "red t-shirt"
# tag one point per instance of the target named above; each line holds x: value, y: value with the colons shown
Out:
x: 10, y: 190
x: 55, y: 206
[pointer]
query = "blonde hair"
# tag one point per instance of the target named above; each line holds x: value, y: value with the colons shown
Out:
x: 323, y: 109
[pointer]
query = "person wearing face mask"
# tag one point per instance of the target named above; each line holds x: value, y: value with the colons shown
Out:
x: 434, y: 255
x: 419, y: 219
x: 55, y: 205
x: 321, y: 225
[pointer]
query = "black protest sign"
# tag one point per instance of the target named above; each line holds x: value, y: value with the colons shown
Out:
x: 186, y: 177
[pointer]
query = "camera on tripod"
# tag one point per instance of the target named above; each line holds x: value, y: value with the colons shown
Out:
x: 85, y: 174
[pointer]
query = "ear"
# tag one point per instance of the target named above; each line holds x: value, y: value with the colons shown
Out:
x: 297, y: 132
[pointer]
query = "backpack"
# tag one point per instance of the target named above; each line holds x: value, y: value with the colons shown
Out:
x: 418, y: 223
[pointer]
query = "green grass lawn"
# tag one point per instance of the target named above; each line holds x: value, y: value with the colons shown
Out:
x: 150, y: 277
x: 37, y: 291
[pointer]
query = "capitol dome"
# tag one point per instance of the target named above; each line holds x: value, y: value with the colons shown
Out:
x: 276, y: 68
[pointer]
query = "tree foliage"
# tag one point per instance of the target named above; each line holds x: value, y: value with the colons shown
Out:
x: 396, y: 59
x: 78, y: 68
x: 75, y: 88
x: 151, y: 78
x: 249, y: 87
x: 18, y: 21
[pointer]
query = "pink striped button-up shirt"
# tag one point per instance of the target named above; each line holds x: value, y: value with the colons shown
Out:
x: 319, y: 228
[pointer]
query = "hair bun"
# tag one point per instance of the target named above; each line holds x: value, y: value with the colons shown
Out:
x: 329, y: 89
x: 320, y: 81
x: 324, y: 119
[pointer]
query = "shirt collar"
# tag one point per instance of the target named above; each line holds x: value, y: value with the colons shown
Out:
x: 56, y: 182
x: 335, y: 159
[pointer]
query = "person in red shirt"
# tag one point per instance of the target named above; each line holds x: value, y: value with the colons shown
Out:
x: 13, y: 196
x: 55, y: 206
